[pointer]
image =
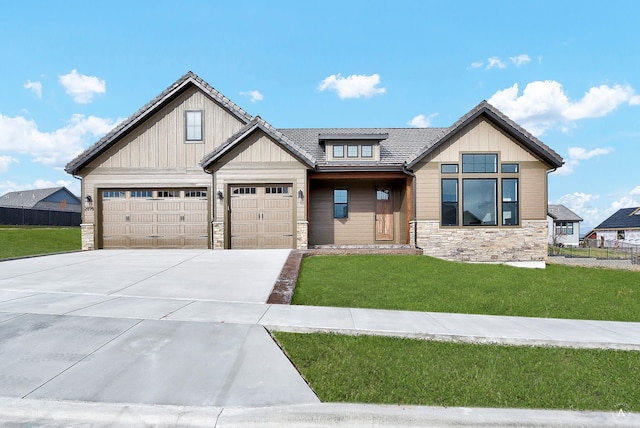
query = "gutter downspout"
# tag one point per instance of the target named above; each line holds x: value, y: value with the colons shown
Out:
x: 212, y: 196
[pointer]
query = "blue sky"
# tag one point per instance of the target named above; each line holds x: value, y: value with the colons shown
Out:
x: 568, y: 71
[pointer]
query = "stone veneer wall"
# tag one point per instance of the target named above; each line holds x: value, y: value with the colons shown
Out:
x: 490, y: 244
x: 302, y: 235
x: 217, y: 228
x: 87, y: 231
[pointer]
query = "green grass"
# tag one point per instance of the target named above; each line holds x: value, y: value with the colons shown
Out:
x: 29, y: 241
x: 384, y: 370
x: 420, y: 283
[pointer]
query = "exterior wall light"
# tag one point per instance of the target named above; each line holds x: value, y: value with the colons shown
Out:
x: 88, y: 203
x: 300, y: 194
x: 220, y: 195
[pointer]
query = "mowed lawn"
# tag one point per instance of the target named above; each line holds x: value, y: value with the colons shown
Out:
x: 420, y: 283
x: 389, y: 370
x: 29, y: 241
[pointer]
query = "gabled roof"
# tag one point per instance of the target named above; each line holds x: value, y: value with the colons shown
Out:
x: 30, y: 198
x: 398, y: 146
x: 530, y: 142
x: 562, y: 213
x: 625, y: 218
x: 178, y: 87
x: 249, y: 128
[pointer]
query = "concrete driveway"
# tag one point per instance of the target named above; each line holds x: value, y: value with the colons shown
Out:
x: 104, y: 326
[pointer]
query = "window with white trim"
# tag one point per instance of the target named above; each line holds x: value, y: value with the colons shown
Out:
x: 193, y: 125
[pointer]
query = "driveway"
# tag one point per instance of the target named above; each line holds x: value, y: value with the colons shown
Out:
x: 104, y: 326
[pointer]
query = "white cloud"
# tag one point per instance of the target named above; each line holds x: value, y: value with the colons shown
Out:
x: 11, y: 186
x: 56, y: 148
x: 520, y: 60
x: 577, y: 154
x: 35, y: 87
x: 635, y: 191
x: 544, y: 104
x: 477, y: 64
x: 254, y: 95
x: 353, y: 86
x: 495, y: 62
x: 81, y: 87
x: 6, y: 161
x: 421, y: 121
x: 586, y: 206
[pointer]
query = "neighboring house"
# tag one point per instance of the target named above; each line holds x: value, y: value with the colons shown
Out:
x: 564, y: 226
x: 192, y: 169
x: 622, y: 227
x: 55, y: 206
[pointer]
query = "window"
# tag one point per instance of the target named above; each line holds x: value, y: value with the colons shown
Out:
x: 277, y: 190
x: 449, y: 202
x: 366, y: 151
x: 193, y: 122
x: 352, y: 151
x: 195, y: 193
x: 564, y: 228
x: 479, y: 163
x: 113, y: 194
x: 169, y: 194
x: 479, y: 202
x: 509, y: 167
x: 449, y: 168
x: 338, y: 151
x: 340, y: 203
x: 244, y: 191
x: 620, y: 235
x: 510, y: 202
x: 141, y: 194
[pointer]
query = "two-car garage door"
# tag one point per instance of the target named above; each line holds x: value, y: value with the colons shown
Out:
x: 155, y: 218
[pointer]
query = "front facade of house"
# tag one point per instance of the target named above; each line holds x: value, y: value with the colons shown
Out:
x: 564, y: 226
x: 193, y: 170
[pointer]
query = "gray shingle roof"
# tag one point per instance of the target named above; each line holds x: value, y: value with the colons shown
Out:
x: 562, y: 213
x: 30, y: 198
x: 401, y: 144
x: 186, y: 81
x: 625, y: 218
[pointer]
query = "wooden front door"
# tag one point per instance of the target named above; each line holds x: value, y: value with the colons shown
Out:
x: 384, y: 214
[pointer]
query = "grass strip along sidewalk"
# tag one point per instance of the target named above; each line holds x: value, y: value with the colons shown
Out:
x: 420, y: 283
x: 384, y: 370
x: 29, y: 241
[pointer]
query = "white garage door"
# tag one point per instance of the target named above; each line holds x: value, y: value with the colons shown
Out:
x: 261, y: 216
x: 155, y: 218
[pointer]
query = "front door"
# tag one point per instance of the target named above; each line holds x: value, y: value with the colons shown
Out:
x: 384, y: 214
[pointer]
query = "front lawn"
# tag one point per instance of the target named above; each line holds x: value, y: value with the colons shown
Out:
x: 29, y: 241
x: 420, y: 283
x: 386, y: 370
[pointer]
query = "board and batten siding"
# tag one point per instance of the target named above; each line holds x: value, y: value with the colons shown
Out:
x: 481, y: 136
x: 259, y: 160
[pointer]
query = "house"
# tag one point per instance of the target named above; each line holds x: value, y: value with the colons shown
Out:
x: 623, y: 227
x: 55, y: 206
x: 193, y: 169
x: 564, y: 226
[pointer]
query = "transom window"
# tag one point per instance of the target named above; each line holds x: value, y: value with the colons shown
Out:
x: 141, y: 194
x: 486, y: 198
x: 195, y: 193
x: 340, y: 203
x: 193, y: 125
x: 169, y: 194
x: 244, y: 191
x: 479, y: 163
x: 277, y: 190
x: 113, y: 194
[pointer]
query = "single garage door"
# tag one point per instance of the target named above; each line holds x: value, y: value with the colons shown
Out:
x: 261, y: 216
x: 155, y: 218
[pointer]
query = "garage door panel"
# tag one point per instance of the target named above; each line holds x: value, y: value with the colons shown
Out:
x: 181, y: 221
x: 271, y: 203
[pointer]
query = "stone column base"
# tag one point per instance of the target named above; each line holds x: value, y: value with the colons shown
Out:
x: 217, y: 238
x: 87, y: 231
x: 302, y: 235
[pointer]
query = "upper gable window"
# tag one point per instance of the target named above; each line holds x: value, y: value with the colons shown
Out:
x: 366, y: 151
x: 479, y: 163
x: 338, y: 151
x: 193, y: 125
x: 352, y: 151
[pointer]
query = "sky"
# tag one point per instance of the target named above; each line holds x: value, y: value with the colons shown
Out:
x: 567, y: 71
